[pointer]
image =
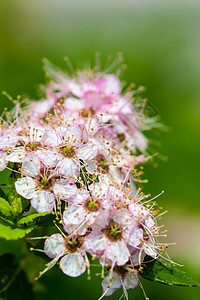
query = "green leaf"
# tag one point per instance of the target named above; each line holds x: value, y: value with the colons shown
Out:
x: 5, y: 208
x: 16, y: 206
x: 9, y: 232
x: 2, y: 194
x: 31, y: 218
x: 164, y: 272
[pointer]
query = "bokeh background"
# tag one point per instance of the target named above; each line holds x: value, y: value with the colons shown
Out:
x: 160, y: 41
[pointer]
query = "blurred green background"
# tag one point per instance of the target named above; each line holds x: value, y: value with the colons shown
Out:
x: 160, y: 41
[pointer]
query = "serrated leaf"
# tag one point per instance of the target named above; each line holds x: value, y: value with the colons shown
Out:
x: 16, y: 206
x: 9, y: 232
x: 5, y: 208
x: 31, y: 218
x: 164, y: 272
x: 17, y: 202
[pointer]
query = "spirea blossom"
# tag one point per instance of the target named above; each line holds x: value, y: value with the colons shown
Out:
x: 78, y: 152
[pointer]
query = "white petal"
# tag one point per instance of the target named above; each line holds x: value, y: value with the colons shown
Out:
x: 69, y: 167
x: 117, y: 252
x: 100, y: 190
x: 31, y: 165
x: 76, y: 229
x: 91, y: 167
x: 73, y: 264
x: 3, y: 161
x: 112, y: 85
x: 150, y: 250
x: 25, y: 187
x: 73, y: 104
x: 74, y: 215
x: 131, y: 280
x: 43, y: 201
x: 64, y: 190
x: 79, y: 197
x: 17, y: 155
x: 52, y: 137
x: 8, y: 140
x: 122, y: 217
x: 103, y: 219
x: 136, y: 237
x: 54, y: 245
x: 87, y: 152
x: 50, y: 158
x: 111, y: 283
x: 95, y: 243
x: 149, y: 222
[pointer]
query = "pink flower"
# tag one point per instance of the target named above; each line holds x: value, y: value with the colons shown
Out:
x: 109, y: 238
x: 86, y: 206
x: 42, y: 185
x: 68, y: 147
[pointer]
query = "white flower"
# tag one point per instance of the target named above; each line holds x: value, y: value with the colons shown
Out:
x: 42, y: 185
x: 73, y: 258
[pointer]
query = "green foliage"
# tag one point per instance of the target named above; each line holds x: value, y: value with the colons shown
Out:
x: 5, y: 208
x: 167, y: 274
x: 33, y: 217
x: 9, y: 231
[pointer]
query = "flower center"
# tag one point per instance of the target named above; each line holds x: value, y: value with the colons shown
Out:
x: 120, y: 270
x: 92, y: 204
x: 114, y: 231
x: 45, y: 182
x: 67, y: 151
x: 87, y: 112
x: 73, y: 243
x: 32, y: 146
x: 101, y: 162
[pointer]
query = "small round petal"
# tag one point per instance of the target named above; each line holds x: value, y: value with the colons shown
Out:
x: 96, y: 242
x: 50, y: 158
x: 69, y: 167
x: 74, y: 215
x: 136, y: 237
x: 17, y: 155
x: 117, y: 252
x: 131, y: 280
x: 123, y: 217
x: 53, y: 137
x: 73, y: 264
x: 31, y: 165
x: 87, y: 152
x: 150, y: 250
x: 111, y: 283
x: 54, y: 245
x: 112, y: 85
x: 43, y: 201
x: 91, y: 167
x: 64, y: 190
x: 76, y: 104
x: 25, y: 187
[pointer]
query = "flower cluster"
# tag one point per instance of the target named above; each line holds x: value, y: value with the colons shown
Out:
x: 78, y: 153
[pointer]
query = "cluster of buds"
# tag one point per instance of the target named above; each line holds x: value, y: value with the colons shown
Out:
x: 79, y: 153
